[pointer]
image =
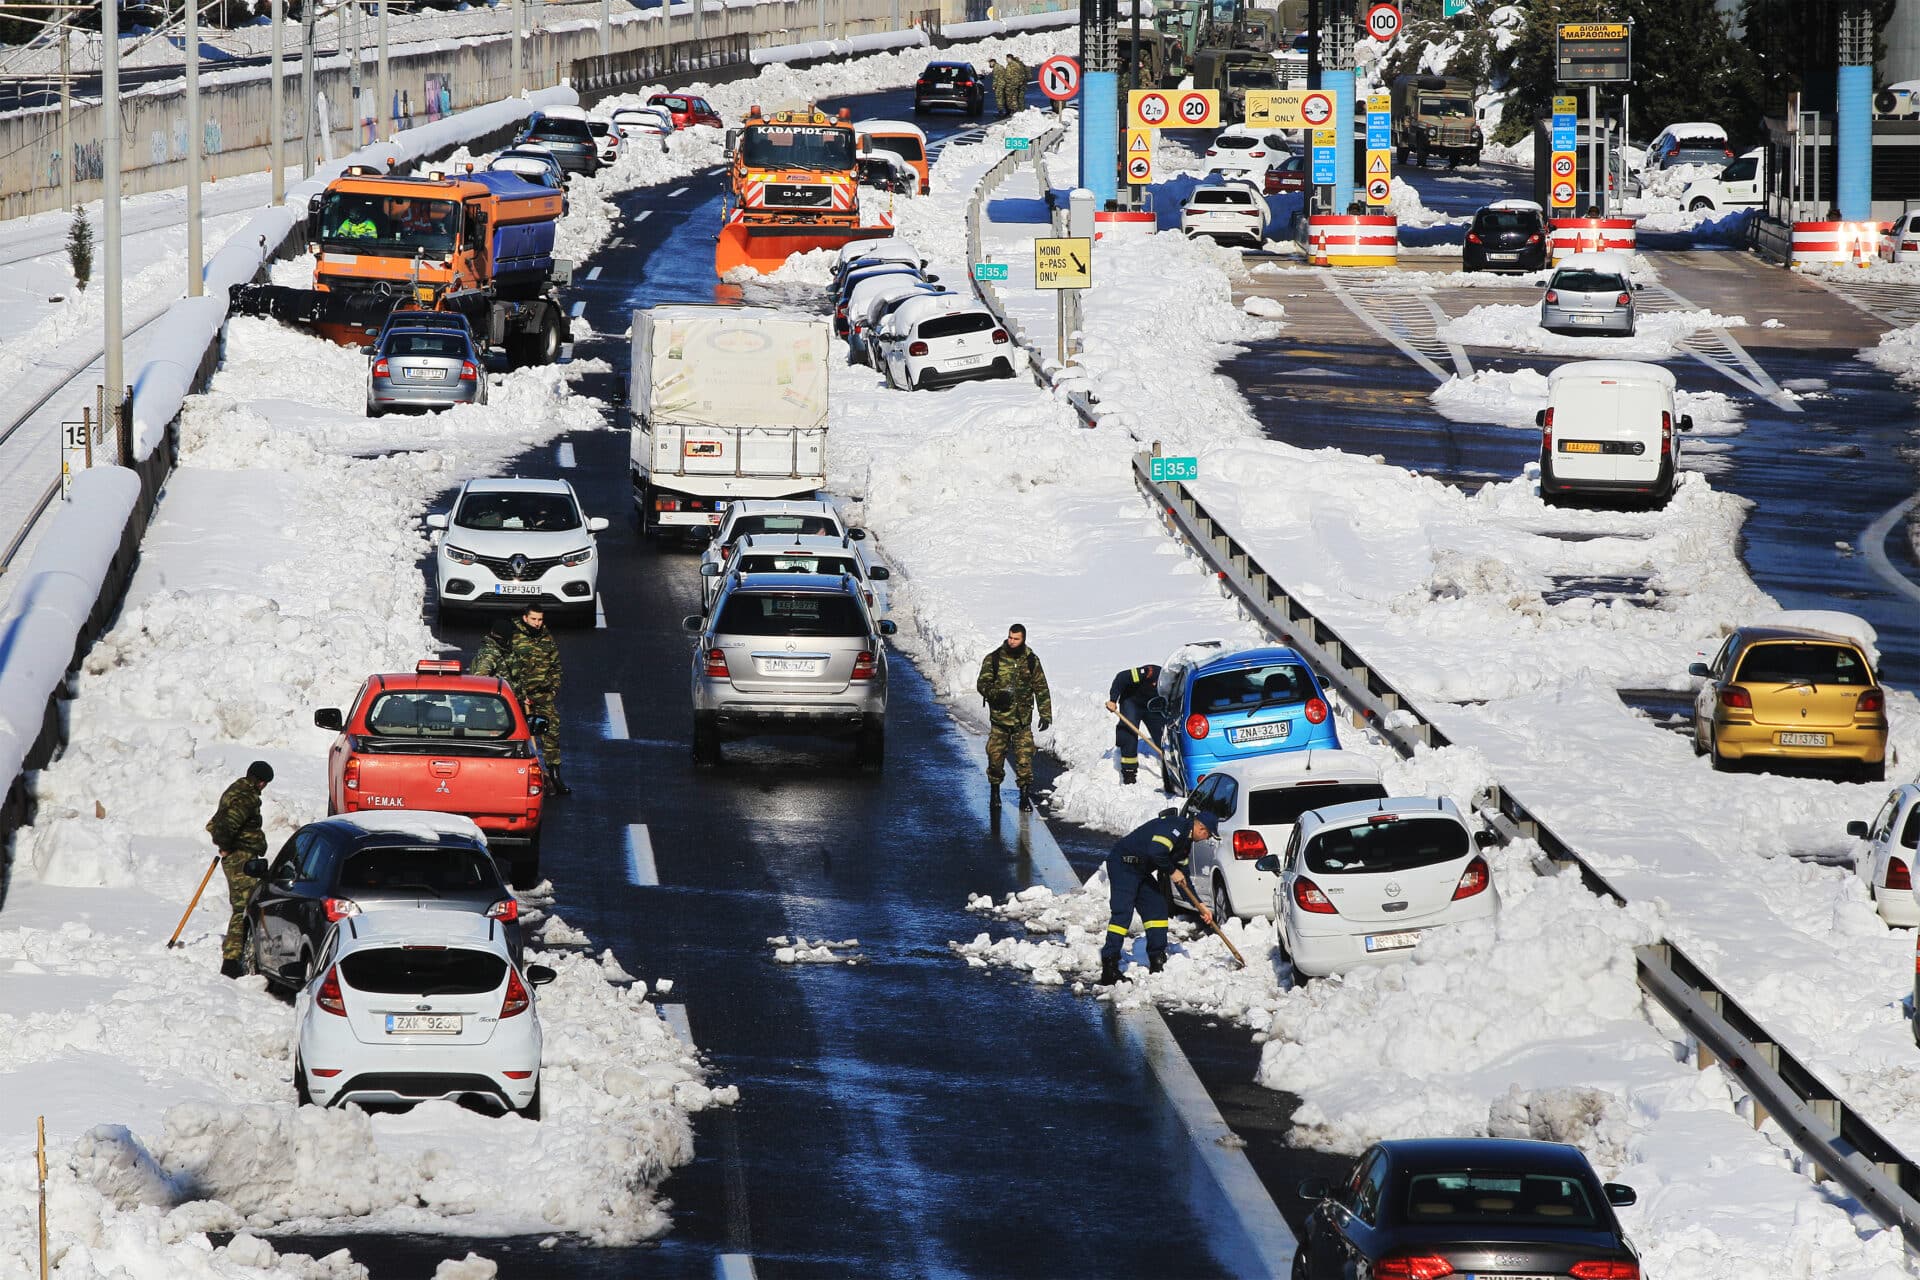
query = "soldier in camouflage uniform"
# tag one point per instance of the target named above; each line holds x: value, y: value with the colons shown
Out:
x: 1016, y: 92
x: 996, y: 80
x: 495, y: 655
x: 1013, y: 682
x: 237, y: 834
x: 534, y: 661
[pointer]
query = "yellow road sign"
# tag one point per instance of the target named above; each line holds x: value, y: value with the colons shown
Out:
x: 1378, y: 102
x: 1325, y: 138
x: 1139, y: 157
x: 1562, y: 194
x: 1593, y: 31
x: 1289, y: 108
x: 1063, y: 262
x: 1139, y: 140
x: 1565, y: 105
x: 1380, y: 164
x: 1173, y: 108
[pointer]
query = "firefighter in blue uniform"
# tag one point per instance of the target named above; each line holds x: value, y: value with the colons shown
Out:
x: 1133, y: 867
x: 1128, y: 697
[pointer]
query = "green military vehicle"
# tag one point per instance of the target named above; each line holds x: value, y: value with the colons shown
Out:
x: 1233, y: 72
x: 1153, y: 58
x: 1434, y: 116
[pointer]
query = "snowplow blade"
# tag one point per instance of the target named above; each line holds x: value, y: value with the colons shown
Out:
x: 351, y: 319
x: 765, y: 248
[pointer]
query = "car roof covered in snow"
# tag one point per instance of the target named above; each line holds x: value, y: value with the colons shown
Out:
x: 1617, y: 370
x: 1695, y: 129
x: 1822, y: 622
x: 858, y: 249
x: 517, y: 484
x: 1517, y: 203
x: 781, y: 507
x: 927, y: 306
x: 410, y: 926
x: 775, y: 543
x: 415, y: 824
x: 890, y: 126
x: 1301, y: 766
x: 1346, y: 815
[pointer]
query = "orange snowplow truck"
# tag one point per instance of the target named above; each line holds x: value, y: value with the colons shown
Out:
x: 480, y: 244
x: 795, y: 187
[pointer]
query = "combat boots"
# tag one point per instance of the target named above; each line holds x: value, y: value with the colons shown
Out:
x: 557, y: 784
x: 1129, y: 774
x: 1026, y: 799
x: 232, y: 969
x: 1109, y: 973
x: 1155, y: 963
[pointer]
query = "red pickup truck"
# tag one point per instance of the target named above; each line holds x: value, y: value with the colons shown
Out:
x: 446, y: 742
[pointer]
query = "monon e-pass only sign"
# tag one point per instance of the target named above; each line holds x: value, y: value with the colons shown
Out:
x: 1063, y: 262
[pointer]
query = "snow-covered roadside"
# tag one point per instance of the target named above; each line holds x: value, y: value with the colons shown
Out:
x: 1658, y: 335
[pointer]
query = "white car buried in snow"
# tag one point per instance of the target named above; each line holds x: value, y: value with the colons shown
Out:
x: 1893, y: 845
x: 407, y: 1006
x: 1363, y: 883
x: 939, y: 340
x: 1258, y: 801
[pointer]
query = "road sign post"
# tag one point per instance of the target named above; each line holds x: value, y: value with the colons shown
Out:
x: 1062, y: 263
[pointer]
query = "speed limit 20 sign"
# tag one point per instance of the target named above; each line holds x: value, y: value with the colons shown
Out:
x: 1383, y: 22
x: 1173, y: 108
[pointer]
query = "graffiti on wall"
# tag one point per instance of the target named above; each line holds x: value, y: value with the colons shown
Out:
x: 88, y: 163
x: 439, y: 96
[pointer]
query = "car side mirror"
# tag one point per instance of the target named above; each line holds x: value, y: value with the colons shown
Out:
x: 931, y: 279
x: 866, y: 145
x: 888, y: 627
x: 1485, y: 838
x: 255, y: 867
x: 1268, y: 862
x: 1157, y: 705
x: 1686, y: 422
x: 540, y: 975
x: 295, y: 973
x: 1311, y: 1188
x: 879, y: 573
x: 538, y: 724
x: 693, y: 624
x: 1541, y: 283
x: 1168, y: 813
x: 438, y: 520
x: 733, y: 139
x: 711, y: 569
x: 1857, y: 830
x: 329, y: 718
x: 1698, y: 670
x: 597, y: 524
x: 1620, y: 1194
x: 1540, y: 418
x: 858, y: 535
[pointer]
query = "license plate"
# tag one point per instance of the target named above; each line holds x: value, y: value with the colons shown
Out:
x: 1580, y: 446
x: 1503, y: 257
x: 1392, y: 941
x: 967, y: 362
x: 423, y: 375
x: 516, y: 588
x: 1803, y: 739
x: 423, y: 1024
x: 1275, y: 732
x: 1586, y: 319
x: 790, y: 666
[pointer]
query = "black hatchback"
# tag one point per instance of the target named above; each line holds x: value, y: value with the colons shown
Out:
x: 949, y: 84
x: 1508, y: 236
x: 1427, y: 1208
x: 344, y: 865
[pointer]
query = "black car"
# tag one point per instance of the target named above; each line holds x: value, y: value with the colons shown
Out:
x: 1424, y: 1208
x: 949, y: 84
x: 344, y: 865
x: 1508, y: 236
x: 571, y: 142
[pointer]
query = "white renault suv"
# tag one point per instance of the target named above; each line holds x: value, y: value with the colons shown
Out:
x: 406, y: 1006
x: 509, y: 544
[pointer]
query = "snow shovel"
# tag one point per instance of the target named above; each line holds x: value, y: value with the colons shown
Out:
x: 174, y: 941
x: 1166, y: 761
x: 1217, y: 931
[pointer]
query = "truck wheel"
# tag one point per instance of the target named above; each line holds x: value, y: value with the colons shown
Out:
x: 546, y: 341
x: 706, y: 740
x: 524, y: 868
x: 871, y: 751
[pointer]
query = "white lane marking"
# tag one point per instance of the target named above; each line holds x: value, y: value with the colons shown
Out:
x: 599, y: 613
x: 640, y: 868
x: 643, y: 215
x: 737, y: 1266
x: 577, y: 308
x: 1372, y: 322
x: 566, y: 352
x: 594, y: 274
x: 616, y: 718
x: 676, y: 193
x: 564, y: 454
x: 1874, y: 543
x: 616, y: 243
x: 676, y: 1016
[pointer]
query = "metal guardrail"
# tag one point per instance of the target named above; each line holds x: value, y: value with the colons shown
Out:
x: 1842, y: 1144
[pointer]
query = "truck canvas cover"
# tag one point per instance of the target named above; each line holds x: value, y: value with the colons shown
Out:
x: 730, y: 367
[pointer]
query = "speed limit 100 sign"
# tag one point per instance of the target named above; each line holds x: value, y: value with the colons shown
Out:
x: 1383, y: 22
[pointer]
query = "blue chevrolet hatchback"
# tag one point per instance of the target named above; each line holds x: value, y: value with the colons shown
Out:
x: 1253, y: 702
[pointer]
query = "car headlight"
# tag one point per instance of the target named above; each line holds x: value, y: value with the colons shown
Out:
x: 580, y: 557
x: 456, y: 555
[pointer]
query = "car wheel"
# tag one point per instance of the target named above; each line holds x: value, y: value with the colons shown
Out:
x: 532, y: 1110
x: 300, y: 1094
x: 250, y: 956
x: 523, y: 869
x: 1699, y: 747
x: 547, y: 341
x: 706, y: 740
x: 871, y: 752
x: 1222, y: 903
x: 1701, y: 205
x: 1720, y: 763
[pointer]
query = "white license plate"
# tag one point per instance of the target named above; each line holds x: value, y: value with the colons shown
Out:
x: 790, y: 666
x: 516, y: 588
x: 423, y: 1024
x: 1587, y: 319
x: 1803, y: 739
x: 1392, y: 941
x: 423, y: 375
x: 1278, y: 731
x: 1503, y: 257
x: 967, y: 362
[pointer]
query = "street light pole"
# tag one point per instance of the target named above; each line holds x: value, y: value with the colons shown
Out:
x: 115, y: 364
x: 194, y: 270
x: 307, y: 8
x: 383, y: 109
x: 66, y: 118
x: 276, y: 131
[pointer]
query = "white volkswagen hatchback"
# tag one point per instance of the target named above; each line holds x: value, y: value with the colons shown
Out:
x: 405, y: 1006
x: 510, y: 544
x: 1363, y: 883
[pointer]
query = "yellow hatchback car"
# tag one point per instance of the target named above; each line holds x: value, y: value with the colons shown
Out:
x: 1791, y: 693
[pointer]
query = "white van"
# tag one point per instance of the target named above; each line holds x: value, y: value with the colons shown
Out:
x: 1609, y: 429
x: 1741, y: 185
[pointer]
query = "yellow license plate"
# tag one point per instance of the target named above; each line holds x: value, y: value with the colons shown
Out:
x: 1579, y: 446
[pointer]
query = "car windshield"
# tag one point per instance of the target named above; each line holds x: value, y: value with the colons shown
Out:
x: 1506, y: 220
x: 437, y: 869
x: 815, y: 526
x: 1252, y: 78
x: 439, y: 713
x: 1740, y: 170
x: 907, y: 148
x: 535, y: 512
x: 388, y: 224
x: 1282, y: 806
x: 1449, y: 107
x: 1499, y: 1199
x: 952, y: 326
x: 423, y: 971
x: 1814, y: 664
x: 1246, y: 688
x: 450, y: 346
x: 807, y: 146
x: 1588, y: 282
x: 1391, y: 844
x: 811, y: 614
x: 798, y: 562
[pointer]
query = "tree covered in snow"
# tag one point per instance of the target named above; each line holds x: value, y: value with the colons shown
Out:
x: 80, y: 247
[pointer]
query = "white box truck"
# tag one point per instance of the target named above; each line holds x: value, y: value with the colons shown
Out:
x: 725, y: 403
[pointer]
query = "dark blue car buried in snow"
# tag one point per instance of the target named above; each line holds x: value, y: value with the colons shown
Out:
x: 1251, y: 702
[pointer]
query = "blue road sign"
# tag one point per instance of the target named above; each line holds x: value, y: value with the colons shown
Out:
x: 1453, y: 8
x: 989, y: 271
x: 1379, y: 135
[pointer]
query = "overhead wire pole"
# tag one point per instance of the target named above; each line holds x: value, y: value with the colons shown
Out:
x: 277, y: 128
x: 66, y: 116
x: 195, y: 284
x: 383, y: 110
x: 307, y: 8
x: 114, y: 362
x: 519, y: 80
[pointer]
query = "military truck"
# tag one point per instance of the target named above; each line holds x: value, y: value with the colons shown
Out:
x: 1153, y: 58
x: 1233, y: 72
x: 1434, y: 116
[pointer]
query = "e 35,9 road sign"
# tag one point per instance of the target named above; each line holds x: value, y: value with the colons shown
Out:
x: 990, y: 271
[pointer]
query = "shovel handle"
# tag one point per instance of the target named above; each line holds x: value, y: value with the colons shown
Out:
x: 174, y: 941
x: 1213, y: 925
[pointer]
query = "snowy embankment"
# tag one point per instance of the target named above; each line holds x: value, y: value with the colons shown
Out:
x: 1657, y: 335
x: 1531, y: 1024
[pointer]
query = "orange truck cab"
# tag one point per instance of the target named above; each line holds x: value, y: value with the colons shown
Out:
x: 446, y: 742
x: 794, y: 178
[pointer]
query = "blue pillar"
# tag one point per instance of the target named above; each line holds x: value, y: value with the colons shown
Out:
x: 1854, y: 163
x: 1100, y: 135
x: 1341, y: 84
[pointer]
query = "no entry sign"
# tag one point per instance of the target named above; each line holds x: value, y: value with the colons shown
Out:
x: 1060, y: 77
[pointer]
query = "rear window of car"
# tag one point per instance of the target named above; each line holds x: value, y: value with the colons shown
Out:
x: 1235, y: 143
x: 424, y: 971
x: 799, y: 562
x: 1910, y: 834
x: 946, y: 72
x: 1378, y: 848
x: 1240, y: 199
x: 438, y: 713
x: 905, y: 147
x: 450, y: 345
x: 1282, y: 806
x: 435, y: 869
x: 671, y: 104
x: 954, y: 326
x: 1588, y: 282
x: 1248, y: 688
x: 1814, y: 664
x: 532, y: 512
x: 598, y: 128
x: 1504, y: 1199
x: 1699, y: 142
x: 575, y: 130
x: 1506, y: 220
x: 818, y: 526
x: 812, y: 614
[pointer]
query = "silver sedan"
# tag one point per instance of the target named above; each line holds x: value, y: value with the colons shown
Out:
x: 424, y: 369
x: 1584, y: 299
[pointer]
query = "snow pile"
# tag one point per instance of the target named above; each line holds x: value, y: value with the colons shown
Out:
x: 1898, y: 352
x: 818, y: 951
x: 1405, y: 205
x: 1512, y: 398
x: 1658, y: 335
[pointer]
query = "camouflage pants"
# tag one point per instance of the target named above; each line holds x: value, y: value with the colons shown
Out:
x: 1015, y: 740
x: 550, y: 739
x: 239, y: 890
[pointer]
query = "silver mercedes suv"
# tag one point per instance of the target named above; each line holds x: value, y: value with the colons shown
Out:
x: 789, y: 653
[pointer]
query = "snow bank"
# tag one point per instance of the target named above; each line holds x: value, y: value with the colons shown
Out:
x: 1658, y: 335
x: 1898, y: 352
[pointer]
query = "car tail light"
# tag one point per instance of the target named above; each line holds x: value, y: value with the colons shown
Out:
x: 380, y: 368
x: 505, y: 909
x: 1473, y: 237
x: 467, y: 372
x: 1248, y: 845
x: 536, y: 777
x: 1553, y: 297
x: 726, y: 552
x: 1898, y: 877
x: 1316, y: 711
x: 864, y: 666
x: 966, y: 84
x: 1212, y: 152
x: 1604, y: 1271
x: 437, y: 667
x: 1307, y: 896
x: 999, y: 337
x: 1546, y: 433
x: 919, y: 84
x: 1256, y: 154
x: 518, y: 1075
x: 717, y: 663
x: 351, y: 775
x: 340, y: 908
x: 1198, y: 726
x: 917, y: 349
x: 1872, y: 702
x: 1534, y: 238
x: 325, y: 1073
x: 1424, y: 1266
x: 666, y: 504
x: 1474, y: 880
x: 1734, y: 696
x: 1624, y: 300
x: 1666, y: 429
x: 329, y: 997
x: 516, y: 1001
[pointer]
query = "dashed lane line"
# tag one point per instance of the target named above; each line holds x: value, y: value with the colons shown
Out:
x: 676, y: 193
x: 599, y: 612
x: 737, y: 1266
x: 573, y: 313
x: 564, y: 454
x: 640, y: 868
x: 594, y: 274
x: 616, y: 717
x: 643, y: 215
x: 1874, y: 543
x: 676, y: 1016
